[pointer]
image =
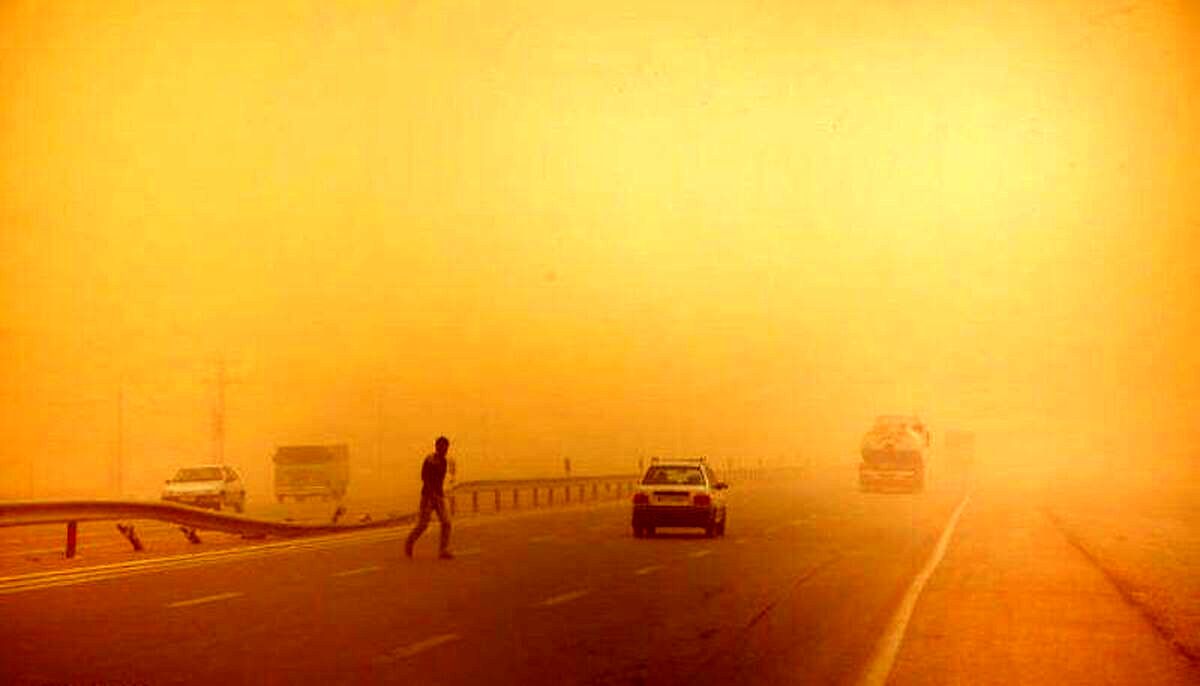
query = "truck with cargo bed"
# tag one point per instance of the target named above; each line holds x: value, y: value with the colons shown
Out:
x: 311, y: 471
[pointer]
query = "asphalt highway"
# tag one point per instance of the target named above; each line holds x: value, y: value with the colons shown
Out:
x: 803, y: 589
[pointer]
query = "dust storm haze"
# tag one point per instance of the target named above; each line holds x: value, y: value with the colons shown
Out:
x: 601, y: 232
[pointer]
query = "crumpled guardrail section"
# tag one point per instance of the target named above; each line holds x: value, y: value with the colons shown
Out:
x: 27, y: 513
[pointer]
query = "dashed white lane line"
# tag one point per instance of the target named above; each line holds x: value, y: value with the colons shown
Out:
x: 740, y: 541
x: 700, y: 553
x: 205, y: 599
x: 541, y: 539
x: 360, y: 570
x: 418, y: 647
x: 880, y: 666
x: 468, y: 552
x: 646, y: 570
x: 563, y: 598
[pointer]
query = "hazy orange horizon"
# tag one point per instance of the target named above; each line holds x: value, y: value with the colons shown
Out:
x: 553, y: 229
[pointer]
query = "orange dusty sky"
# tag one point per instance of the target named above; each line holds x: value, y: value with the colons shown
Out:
x: 600, y: 230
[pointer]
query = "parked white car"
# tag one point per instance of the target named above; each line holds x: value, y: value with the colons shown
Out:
x: 212, y: 486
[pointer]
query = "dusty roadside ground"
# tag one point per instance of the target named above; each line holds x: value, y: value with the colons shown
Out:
x: 1141, y: 526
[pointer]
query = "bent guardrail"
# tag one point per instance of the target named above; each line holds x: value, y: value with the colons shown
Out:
x: 190, y: 519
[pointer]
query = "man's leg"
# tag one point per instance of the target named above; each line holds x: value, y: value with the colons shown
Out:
x: 422, y: 522
x: 444, y: 524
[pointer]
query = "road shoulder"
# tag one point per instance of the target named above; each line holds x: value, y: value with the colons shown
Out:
x: 1015, y: 602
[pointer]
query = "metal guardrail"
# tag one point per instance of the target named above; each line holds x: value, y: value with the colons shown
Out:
x: 33, y: 512
x: 193, y: 519
x: 572, y: 489
x: 190, y: 519
x: 506, y: 495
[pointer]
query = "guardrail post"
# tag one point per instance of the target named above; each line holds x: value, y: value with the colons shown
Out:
x: 497, y: 500
x: 595, y: 491
x: 550, y: 496
x: 128, y: 532
x: 516, y: 498
x: 72, y: 532
x: 453, y: 505
x: 535, y: 496
x: 567, y: 493
x: 475, y: 501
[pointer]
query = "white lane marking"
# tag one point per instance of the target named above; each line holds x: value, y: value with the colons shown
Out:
x: 205, y: 599
x: 646, y: 570
x: 739, y: 541
x: 360, y: 570
x: 70, y: 577
x: 468, y: 552
x: 563, y: 598
x: 418, y: 647
x: 880, y: 666
x: 541, y: 539
x: 700, y: 553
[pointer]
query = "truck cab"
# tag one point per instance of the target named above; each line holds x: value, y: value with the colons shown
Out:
x: 894, y: 455
x: 311, y: 471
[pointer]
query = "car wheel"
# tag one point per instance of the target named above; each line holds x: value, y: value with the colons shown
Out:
x: 649, y: 531
x: 638, y: 532
x: 240, y: 507
x: 710, y: 530
x: 721, y: 526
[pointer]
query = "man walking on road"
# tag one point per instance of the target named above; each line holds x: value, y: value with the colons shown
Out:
x: 433, y: 474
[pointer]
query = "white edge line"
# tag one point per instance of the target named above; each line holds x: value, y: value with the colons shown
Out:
x: 700, y: 553
x: 289, y: 543
x: 646, y: 570
x: 101, y: 572
x: 880, y: 665
x: 205, y: 599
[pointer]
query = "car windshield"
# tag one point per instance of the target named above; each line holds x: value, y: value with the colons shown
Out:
x: 677, y: 476
x: 199, y: 474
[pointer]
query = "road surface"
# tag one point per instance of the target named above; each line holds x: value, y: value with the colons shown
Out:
x: 806, y: 587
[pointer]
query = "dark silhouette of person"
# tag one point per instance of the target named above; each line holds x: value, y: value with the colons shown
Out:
x: 433, y: 474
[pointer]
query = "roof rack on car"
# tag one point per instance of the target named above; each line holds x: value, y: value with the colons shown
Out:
x: 696, y: 460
